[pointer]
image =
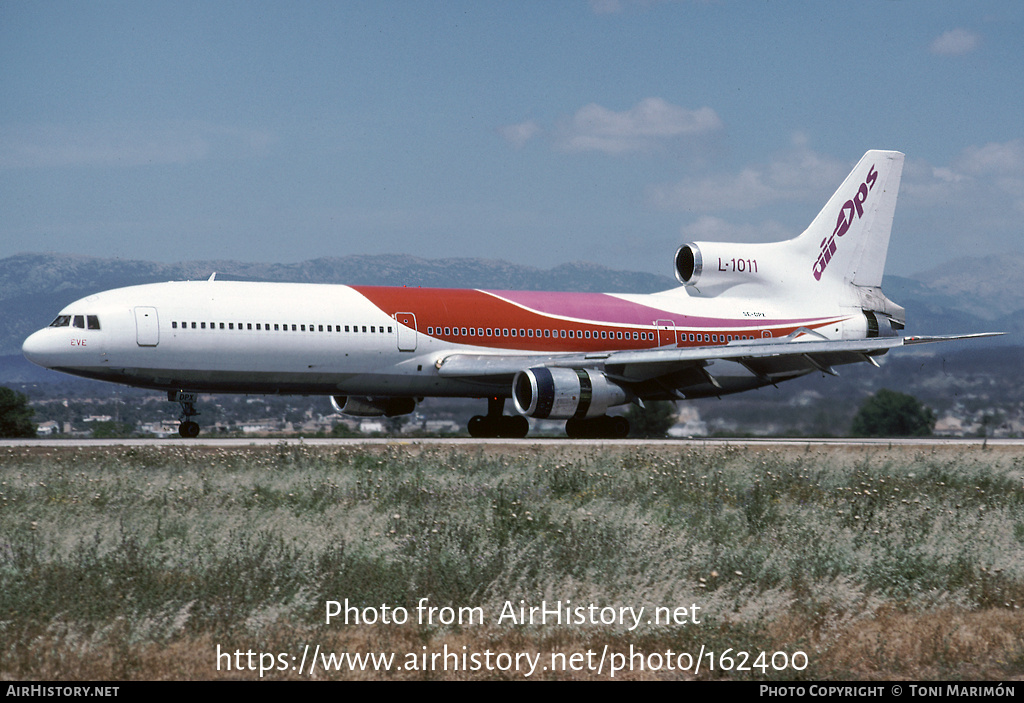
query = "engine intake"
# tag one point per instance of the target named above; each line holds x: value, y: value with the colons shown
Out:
x: 559, y: 393
x: 689, y: 264
x: 362, y: 406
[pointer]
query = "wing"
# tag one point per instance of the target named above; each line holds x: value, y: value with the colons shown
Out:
x: 692, y: 372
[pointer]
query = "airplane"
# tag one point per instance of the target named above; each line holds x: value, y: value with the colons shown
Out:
x: 745, y: 316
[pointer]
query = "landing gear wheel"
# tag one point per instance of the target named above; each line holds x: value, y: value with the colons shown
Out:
x: 515, y: 426
x: 189, y: 429
x: 575, y: 428
x: 603, y: 427
x: 478, y: 426
x: 618, y: 427
x: 494, y: 424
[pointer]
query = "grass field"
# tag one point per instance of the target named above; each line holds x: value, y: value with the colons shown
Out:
x: 178, y: 562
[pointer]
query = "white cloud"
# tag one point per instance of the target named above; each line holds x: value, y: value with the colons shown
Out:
x: 518, y: 134
x: 613, y: 7
x: 980, y: 176
x: 50, y: 146
x: 955, y: 42
x: 993, y: 158
x: 650, y: 123
x: 974, y: 202
x: 714, y: 229
x: 796, y: 175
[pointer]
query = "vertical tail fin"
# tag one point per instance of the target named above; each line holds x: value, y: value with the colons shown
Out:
x: 840, y: 256
x: 847, y: 242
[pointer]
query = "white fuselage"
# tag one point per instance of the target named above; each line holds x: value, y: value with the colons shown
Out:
x: 223, y: 336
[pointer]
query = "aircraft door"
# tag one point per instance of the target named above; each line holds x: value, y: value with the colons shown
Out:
x: 406, y: 331
x: 666, y: 332
x: 147, y: 327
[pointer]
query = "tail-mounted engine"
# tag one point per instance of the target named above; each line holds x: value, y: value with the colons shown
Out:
x: 709, y: 268
x: 560, y: 393
x: 362, y: 406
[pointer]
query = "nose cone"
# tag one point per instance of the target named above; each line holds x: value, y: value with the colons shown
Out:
x: 38, y: 348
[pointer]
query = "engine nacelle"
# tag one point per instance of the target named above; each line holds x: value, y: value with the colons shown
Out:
x: 559, y: 393
x: 711, y: 267
x: 362, y: 406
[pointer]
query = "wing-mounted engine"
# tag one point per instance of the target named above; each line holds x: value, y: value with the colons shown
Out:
x: 710, y: 268
x: 362, y: 406
x: 561, y: 393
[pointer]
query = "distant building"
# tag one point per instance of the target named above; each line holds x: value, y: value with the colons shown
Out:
x: 949, y: 426
x: 45, y: 429
x: 163, y: 428
x: 689, y: 424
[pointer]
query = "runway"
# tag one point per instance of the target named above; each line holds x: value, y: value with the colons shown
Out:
x: 972, y: 443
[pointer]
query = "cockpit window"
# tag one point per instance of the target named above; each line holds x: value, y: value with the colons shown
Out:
x: 61, y: 321
x: 79, y: 321
x: 94, y: 322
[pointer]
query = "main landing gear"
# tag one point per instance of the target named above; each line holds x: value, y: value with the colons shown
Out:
x: 188, y: 428
x: 494, y: 424
x: 603, y: 427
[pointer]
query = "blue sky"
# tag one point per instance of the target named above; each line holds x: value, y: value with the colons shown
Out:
x: 609, y: 131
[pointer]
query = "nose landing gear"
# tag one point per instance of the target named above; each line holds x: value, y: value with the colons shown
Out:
x: 188, y: 428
